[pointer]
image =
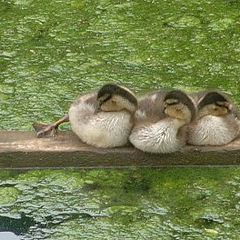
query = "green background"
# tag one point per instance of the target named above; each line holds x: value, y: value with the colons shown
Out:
x: 53, y: 51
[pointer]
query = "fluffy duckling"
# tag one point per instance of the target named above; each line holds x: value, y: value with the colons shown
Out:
x: 160, y: 120
x: 217, y: 121
x: 103, y: 119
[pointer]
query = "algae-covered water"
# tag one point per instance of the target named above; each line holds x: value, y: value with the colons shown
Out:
x: 52, y: 51
x: 129, y: 204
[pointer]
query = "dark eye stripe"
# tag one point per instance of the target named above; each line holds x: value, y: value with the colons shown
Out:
x: 221, y: 105
x: 106, y: 99
x: 174, y: 103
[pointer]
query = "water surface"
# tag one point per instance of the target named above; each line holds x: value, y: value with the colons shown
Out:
x: 8, y: 236
x: 162, y: 204
x: 51, y: 51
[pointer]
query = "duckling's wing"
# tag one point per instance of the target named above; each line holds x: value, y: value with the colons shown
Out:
x: 151, y: 107
x: 84, y: 107
x: 90, y: 99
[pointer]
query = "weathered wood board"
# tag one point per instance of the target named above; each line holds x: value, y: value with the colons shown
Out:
x: 22, y: 150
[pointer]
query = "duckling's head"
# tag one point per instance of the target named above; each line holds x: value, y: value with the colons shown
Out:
x: 214, y: 103
x: 178, y: 105
x: 115, y: 98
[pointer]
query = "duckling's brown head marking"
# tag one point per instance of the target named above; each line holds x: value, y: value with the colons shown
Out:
x: 114, y: 98
x: 214, y: 103
x: 178, y: 105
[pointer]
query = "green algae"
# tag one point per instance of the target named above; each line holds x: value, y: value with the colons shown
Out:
x: 221, y: 24
x: 111, y: 204
x: 52, y: 51
x: 8, y: 195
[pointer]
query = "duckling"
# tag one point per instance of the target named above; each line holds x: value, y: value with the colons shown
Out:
x: 160, y: 121
x: 217, y: 121
x: 102, y: 119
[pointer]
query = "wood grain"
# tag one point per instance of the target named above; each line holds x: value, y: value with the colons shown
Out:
x: 22, y: 150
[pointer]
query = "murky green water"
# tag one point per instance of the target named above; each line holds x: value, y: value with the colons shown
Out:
x: 50, y: 51
x: 130, y: 204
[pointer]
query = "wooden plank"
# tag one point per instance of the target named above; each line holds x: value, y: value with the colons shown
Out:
x: 22, y: 150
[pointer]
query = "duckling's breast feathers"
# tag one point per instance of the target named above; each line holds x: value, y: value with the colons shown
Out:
x: 213, y: 130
